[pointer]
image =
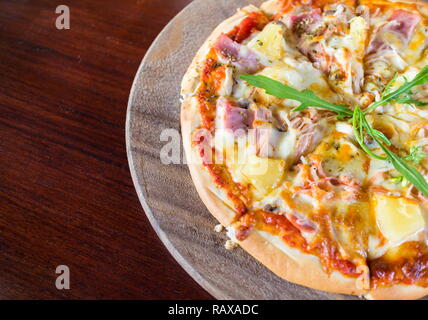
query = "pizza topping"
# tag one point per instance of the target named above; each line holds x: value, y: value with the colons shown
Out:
x: 240, y: 56
x: 334, y: 40
x: 264, y: 174
x: 253, y: 22
x: 308, y: 22
x: 385, y: 54
x: 270, y: 42
x: 333, y: 129
x: 359, y: 120
x: 230, y: 117
x: 406, y: 264
x: 403, y: 23
x: 397, y: 219
x: 310, y: 133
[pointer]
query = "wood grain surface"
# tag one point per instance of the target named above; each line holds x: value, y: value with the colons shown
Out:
x: 66, y: 195
x: 166, y: 191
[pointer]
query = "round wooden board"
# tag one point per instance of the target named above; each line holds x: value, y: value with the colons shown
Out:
x: 166, y: 191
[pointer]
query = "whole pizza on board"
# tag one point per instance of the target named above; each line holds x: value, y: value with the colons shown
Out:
x: 305, y: 125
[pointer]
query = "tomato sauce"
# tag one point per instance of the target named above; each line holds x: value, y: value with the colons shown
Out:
x: 212, y: 76
x: 254, y: 22
x: 325, y: 249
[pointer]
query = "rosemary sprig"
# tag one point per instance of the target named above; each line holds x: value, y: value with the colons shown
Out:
x: 360, y: 124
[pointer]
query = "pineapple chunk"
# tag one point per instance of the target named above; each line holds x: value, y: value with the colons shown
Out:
x: 263, y: 173
x: 270, y: 42
x: 359, y: 30
x: 397, y: 218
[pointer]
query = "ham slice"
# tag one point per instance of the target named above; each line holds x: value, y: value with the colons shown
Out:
x: 263, y: 114
x: 403, y: 23
x: 310, y: 135
x: 230, y: 117
x: 240, y: 56
x: 307, y: 22
x: 383, y: 58
x: 300, y: 222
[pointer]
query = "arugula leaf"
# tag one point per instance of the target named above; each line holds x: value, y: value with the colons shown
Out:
x: 389, y: 85
x: 382, y: 137
x: 416, y: 155
x: 409, y: 172
x: 361, y: 127
x: 421, y: 78
x: 408, y: 100
x: 400, y: 179
x: 306, y: 97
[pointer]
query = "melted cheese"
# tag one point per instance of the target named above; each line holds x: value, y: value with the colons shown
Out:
x: 341, y: 158
x: 300, y: 75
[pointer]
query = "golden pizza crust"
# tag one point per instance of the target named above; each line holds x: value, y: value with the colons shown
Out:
x: 208, y: 192
x: 285, y: 262
x: 299, y: 268
x: 398, y: 292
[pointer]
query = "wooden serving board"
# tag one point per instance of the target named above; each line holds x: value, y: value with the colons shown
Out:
x: 166, y: 191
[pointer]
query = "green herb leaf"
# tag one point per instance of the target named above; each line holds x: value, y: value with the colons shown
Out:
x: 382, y: 137
x: 416, y: 155
x: 389, y: 85
x: 408, y: 100
x: 400, y: 179
x: 409, y: 172
x: 361, y: 127
x: 421, y: 78
x: 306, y: 97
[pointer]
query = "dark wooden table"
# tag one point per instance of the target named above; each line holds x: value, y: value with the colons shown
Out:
x: 66, y: 195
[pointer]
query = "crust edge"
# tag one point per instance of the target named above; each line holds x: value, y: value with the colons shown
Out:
x: 398, y: 292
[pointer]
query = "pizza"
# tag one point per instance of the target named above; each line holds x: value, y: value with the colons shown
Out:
x: 305, y: 125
